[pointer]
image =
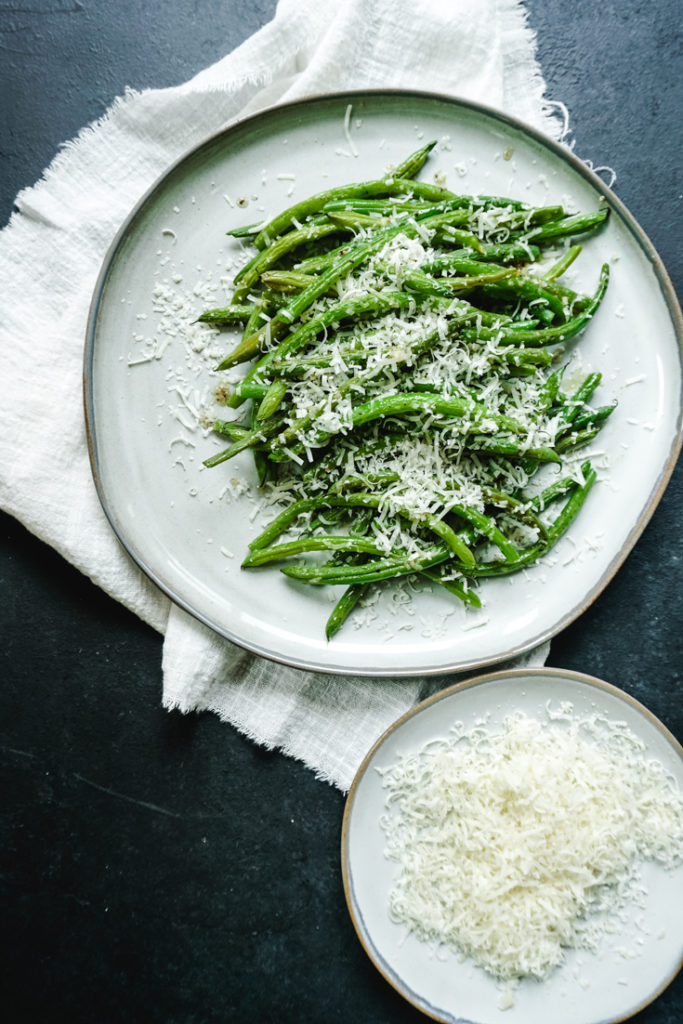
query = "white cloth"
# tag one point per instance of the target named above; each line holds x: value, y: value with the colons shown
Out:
x: 50, y: 255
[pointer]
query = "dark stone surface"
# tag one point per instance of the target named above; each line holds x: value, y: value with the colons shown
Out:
x: 161, y: 868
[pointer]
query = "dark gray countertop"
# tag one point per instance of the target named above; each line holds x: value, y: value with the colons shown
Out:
x: 162, y: 868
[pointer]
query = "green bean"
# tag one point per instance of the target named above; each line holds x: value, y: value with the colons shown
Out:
x: 563, y: 264
x: 252, y: 439
x: 414, y: 163
x: 418, y: 281
x: 518, y: 509
x: 558, y: 489
x: 352, y: 220
x: 486, y: 526
x: 343, y: 608
x: 253, y: 389
x: 318, y: 543
x: 397, y: 404
x: 571, y: 509
x: 244, y: 232
x: 572, y: 406
x: 466, y: 594
x: 227, y: 315
x: 261, y: 464
x: 383, y: 187
x: 271, y: 400
x: 283, y: 521
x: 230, y: 429
x: 524, y: 356
x: 544, y: 214
x: 510, y: 252
x: 365, y: 305
x: 383, y: 207
x: 316, y: 264
x: 350, y: 483
x: 370, y: 572
x: 255, y: 319
x: 405, y: 404
x: 550, y: 390
x: 518, y: 286
x: 579, y: 224
x: 592, y: 417
x: 286, y: 280
x: 357, y: 351
x: 455, y: 545
x: 511, y: 448
x: 577, y: 439
x: 249, y: 274
x: 459, y: 238
x: 462, y: 263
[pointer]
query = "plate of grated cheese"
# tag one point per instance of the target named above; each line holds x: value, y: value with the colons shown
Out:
x: 159, y: 382
x: 512, y: 848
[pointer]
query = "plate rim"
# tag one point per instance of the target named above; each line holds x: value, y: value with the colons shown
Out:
x: 156, y: 575
x: 466, y: 684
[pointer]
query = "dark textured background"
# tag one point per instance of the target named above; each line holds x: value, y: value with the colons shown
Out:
x: 161, y: 868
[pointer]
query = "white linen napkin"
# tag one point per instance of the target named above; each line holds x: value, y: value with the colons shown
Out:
x: 50, y: 255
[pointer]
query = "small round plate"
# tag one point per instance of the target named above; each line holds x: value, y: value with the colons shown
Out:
x: 589, y: 988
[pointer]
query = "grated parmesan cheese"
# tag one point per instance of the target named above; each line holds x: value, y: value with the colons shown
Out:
x: 347, y: 130
x: 516, y: 843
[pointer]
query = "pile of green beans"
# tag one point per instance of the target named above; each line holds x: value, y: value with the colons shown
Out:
x: 405, y: 384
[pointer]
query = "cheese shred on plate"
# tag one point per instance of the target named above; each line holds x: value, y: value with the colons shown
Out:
x: 517, y: 842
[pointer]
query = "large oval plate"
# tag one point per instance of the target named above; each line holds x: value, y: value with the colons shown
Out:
x: 148, y: 371
x: 630, y: 966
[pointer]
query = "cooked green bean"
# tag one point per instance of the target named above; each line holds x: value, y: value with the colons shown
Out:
x: 558, y: 489
x: 227, y: 315
x: 414, y: 163
x: 317, y: 543
x: 230, y: 429
x: 286, y: 280
x: 271, y: 400
x: 274, y: 253
x: 370, y: 572
x: 563, y: 264
x: 466, y: 594
x: 577, y: 439
x: 343, y: 608
x: 384, y: 187
x: 564, y: 226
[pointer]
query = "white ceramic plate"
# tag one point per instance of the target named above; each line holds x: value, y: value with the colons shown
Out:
x: 148, y: 372
x: 590, y: 987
